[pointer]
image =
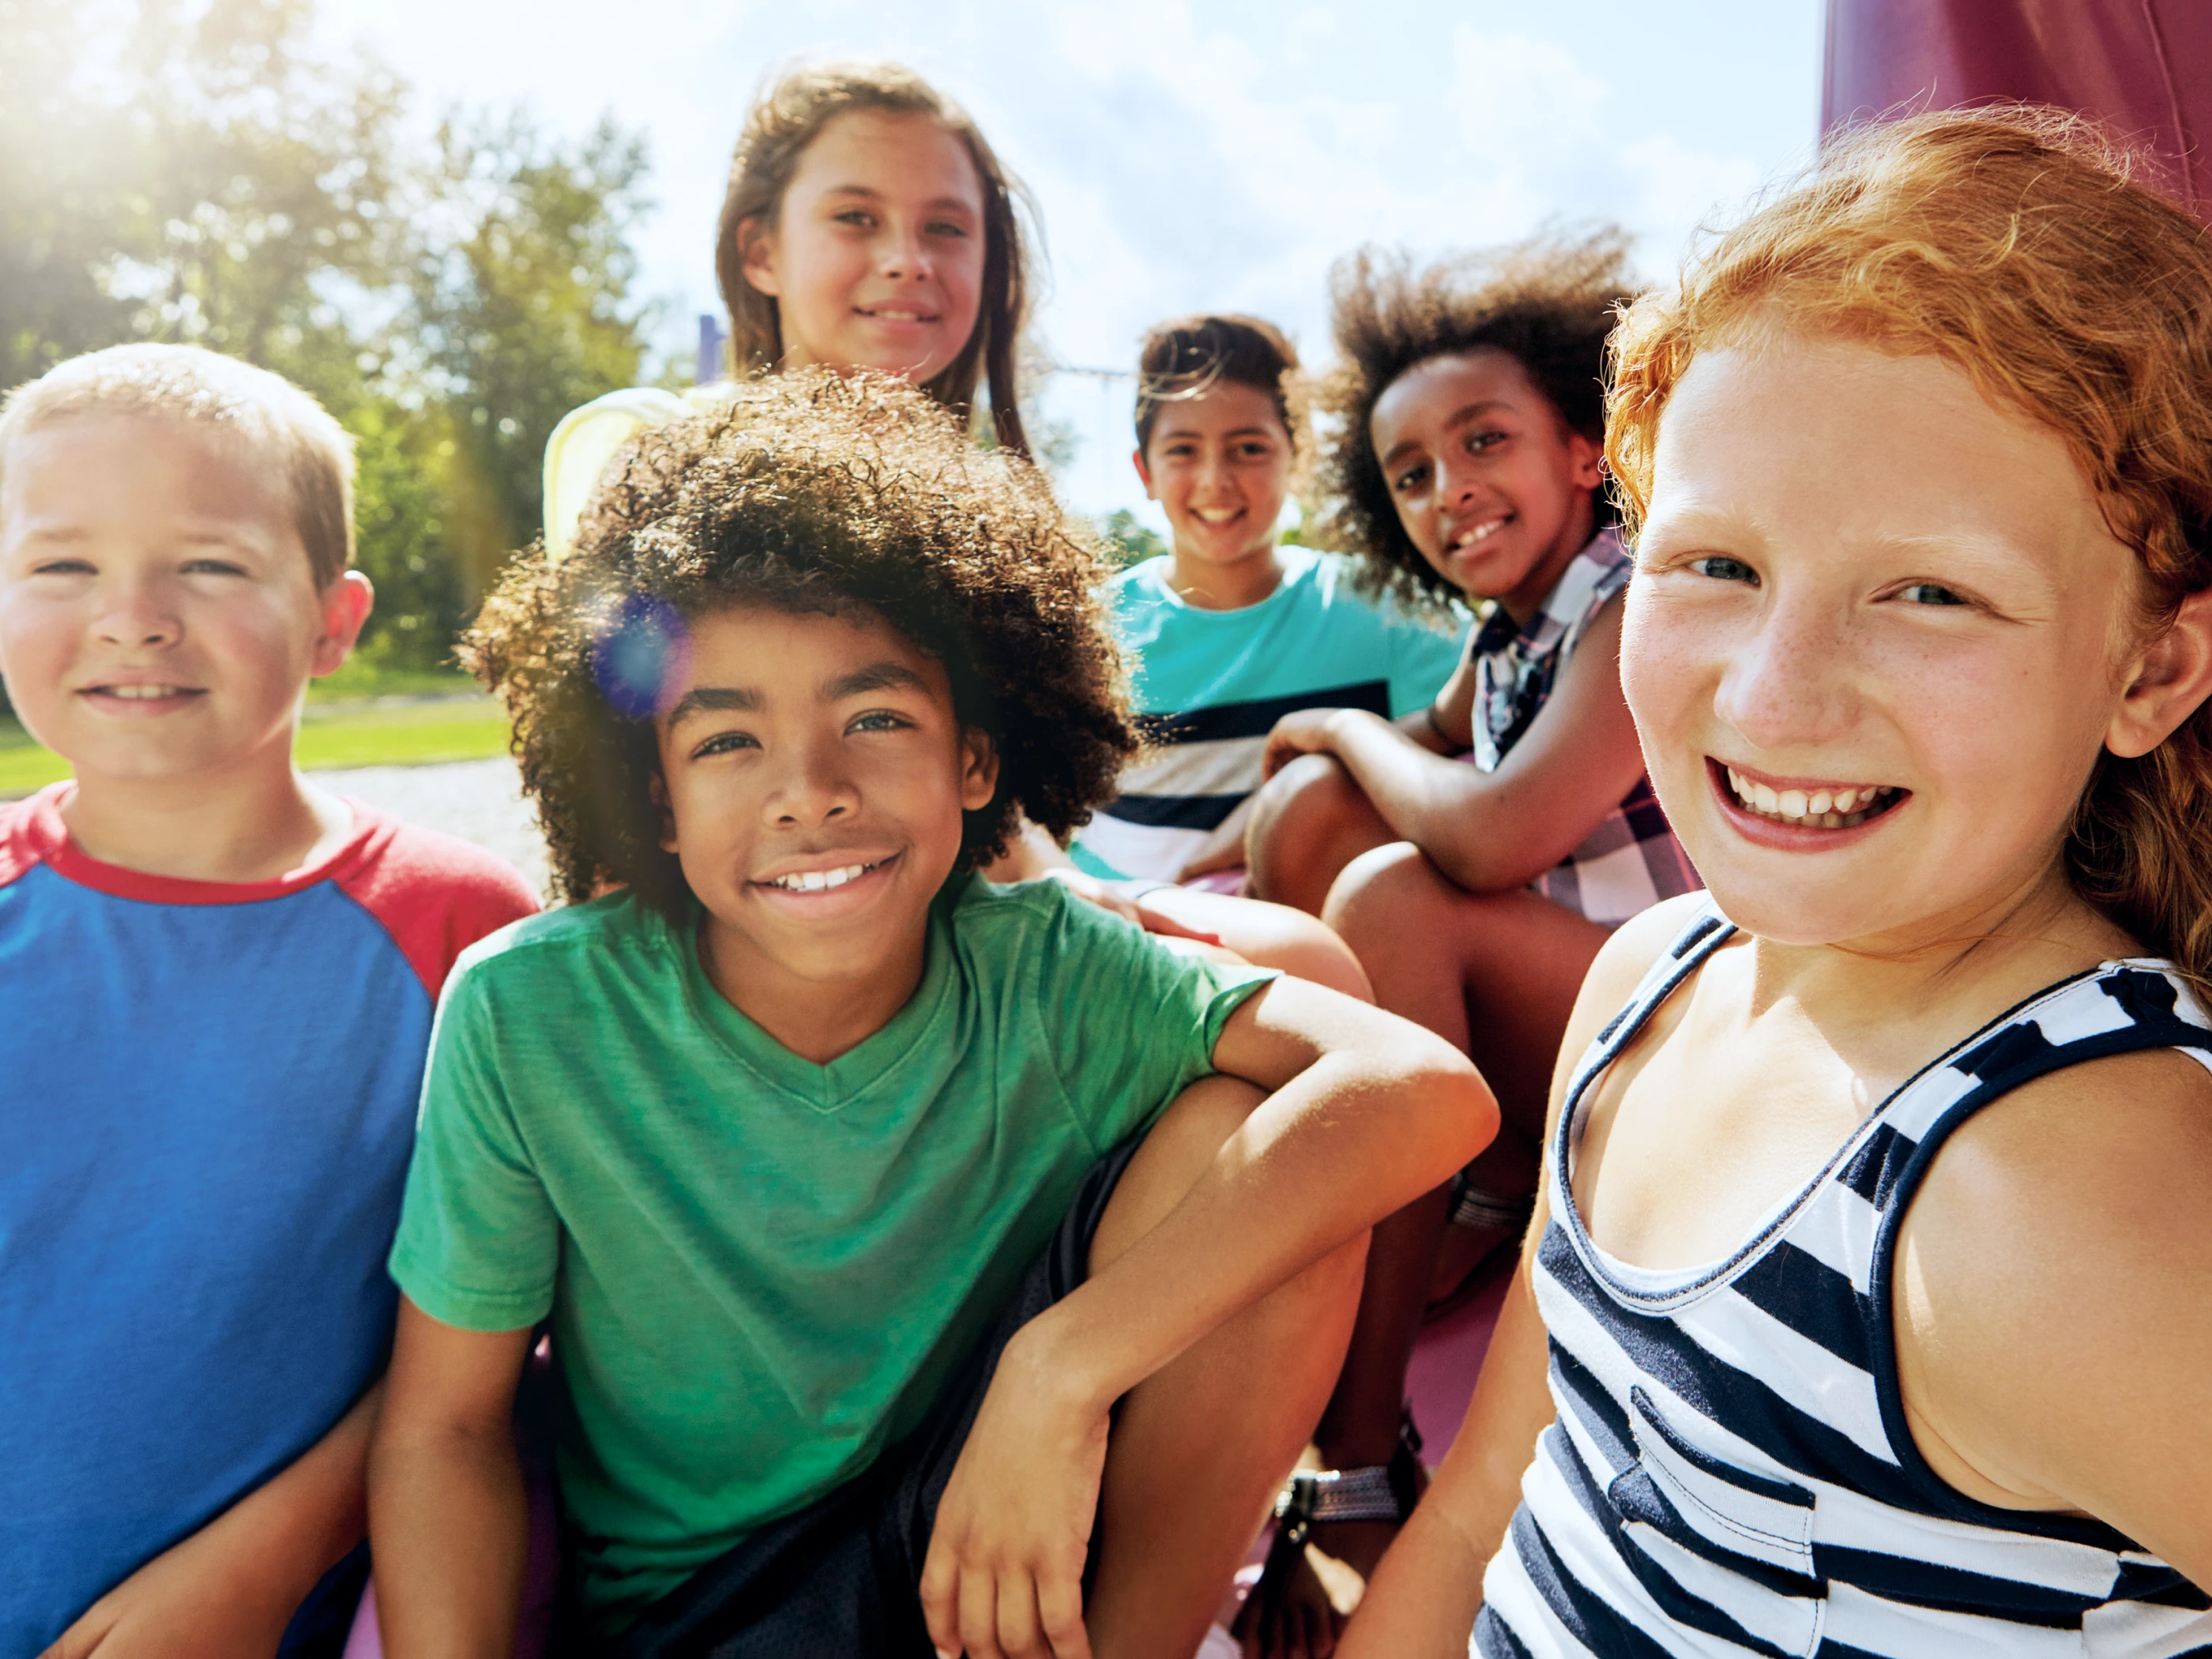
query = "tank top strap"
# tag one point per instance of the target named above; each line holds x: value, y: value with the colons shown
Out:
x: 1705, y: 932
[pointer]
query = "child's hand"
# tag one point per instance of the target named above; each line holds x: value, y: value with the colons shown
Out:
x: 1004, y: 1579
x: 1305, y: 732
x: 183, y: 1604
x: 1113, y: 895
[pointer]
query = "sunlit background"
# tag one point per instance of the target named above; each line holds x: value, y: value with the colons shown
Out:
x: 1184, y: 155
x: 455, y: 219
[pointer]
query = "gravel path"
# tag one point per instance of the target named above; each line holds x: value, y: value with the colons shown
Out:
x: 477, y: 800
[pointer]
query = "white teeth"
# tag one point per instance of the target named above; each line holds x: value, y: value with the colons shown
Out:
x: 142, y: 693
x: 817, y: 881
x: 1481, y: 532
x: 1837, y: 809
x: 1216, y: 515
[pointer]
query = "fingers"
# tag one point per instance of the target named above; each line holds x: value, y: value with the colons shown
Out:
x: 1159, y: 921
x: 1060, y: 1610
x: 979, y: 1615
x: 940, y: 1585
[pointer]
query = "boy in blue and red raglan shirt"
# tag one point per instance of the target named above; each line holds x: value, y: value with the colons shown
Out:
x: 217, y: 985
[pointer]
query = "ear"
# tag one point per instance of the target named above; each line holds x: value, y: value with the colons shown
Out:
x: 979, y: 769
x: 657, y: 789
x: 2167, y: 683
x: 346, y: 603
x: 758, y: 239
x: 1137, y: 457
x: 1586, y: 458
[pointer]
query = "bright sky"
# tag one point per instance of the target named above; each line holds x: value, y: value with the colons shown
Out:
x: 1187, y: 156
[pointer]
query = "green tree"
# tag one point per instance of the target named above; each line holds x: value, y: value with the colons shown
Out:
x: 199, y: 173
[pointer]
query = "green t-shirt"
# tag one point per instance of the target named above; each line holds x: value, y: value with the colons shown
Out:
x: 761, y: 1271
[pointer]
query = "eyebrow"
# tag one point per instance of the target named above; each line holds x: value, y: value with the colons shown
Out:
x: 1466, y: 412
x: 713, y: 699
x: 868, y: 194
x: 884, y: 676
x: 1255, y: 431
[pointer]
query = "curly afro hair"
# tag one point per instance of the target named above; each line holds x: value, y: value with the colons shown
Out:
x: 810, y: 493
x: 1549, y: 303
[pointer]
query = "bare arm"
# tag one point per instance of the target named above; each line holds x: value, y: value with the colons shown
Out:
x: 1422, y: 1601
x: 447, y: 1512
x: 2052, y: 1276
x: 231, y: 1588
x: 1490, y: 831
x: 1367, y: 1112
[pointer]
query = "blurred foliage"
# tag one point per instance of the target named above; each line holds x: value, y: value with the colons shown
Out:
x: 199, y: 172
x: 1128, y: 540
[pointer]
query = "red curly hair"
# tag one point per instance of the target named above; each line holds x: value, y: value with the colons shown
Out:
x: 2024, y: 245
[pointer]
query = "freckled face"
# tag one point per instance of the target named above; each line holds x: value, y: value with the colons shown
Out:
x: 876, y: 258
x: 1490, y: 486
x: 1874, y: 643
x: 1219, y: 466
x: 815, y: 777
x: 158, y: 615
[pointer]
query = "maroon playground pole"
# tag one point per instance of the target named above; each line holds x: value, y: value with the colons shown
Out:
x: 2143, y: 66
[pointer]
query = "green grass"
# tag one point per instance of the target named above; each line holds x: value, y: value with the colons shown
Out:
x: 417, y: 731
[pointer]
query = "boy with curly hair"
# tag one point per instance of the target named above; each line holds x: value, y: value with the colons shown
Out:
x: 929, y: 1265
x: 218, y: 983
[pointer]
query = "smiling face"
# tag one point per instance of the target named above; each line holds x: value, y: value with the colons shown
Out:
x: 816, y: 808
x: 1219, y: 466
x: 158, y: 616
x: 1878, y: 634
x: 876, y: 256
x: 1489, y: 485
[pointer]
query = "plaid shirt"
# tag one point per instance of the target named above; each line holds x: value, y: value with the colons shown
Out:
x: 1632, y: 859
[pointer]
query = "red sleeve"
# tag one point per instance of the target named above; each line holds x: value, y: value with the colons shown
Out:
x: 434, y: 894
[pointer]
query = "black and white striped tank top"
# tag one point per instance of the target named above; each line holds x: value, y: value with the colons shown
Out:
x: 1730, y: 1472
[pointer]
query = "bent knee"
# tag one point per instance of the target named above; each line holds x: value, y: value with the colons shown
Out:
x: 1381, y: 891
x: 1302, y: 802
x: 1303, y: 945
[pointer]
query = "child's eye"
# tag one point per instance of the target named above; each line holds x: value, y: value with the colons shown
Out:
x: 946, y: 228
x: 725, y: 742
x: 213, y: 567
x: 1411, y: 476
x: 1722, y: 568
x: 1930, y: 593
x: 1478, y: 442
x: 879, y: 719
x: 858, y: 216
x: 63, y: 568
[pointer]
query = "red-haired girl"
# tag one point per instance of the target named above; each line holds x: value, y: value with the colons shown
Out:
x: 1863, y: 1309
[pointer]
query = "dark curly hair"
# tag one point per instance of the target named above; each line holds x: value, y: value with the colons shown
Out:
x: 1549, y: 303
x: 814, y: 493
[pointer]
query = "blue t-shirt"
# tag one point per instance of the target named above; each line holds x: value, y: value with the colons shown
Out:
x: 210, y: 1105
x: 1209, y: 685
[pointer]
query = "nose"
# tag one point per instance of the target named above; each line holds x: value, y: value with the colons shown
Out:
x: 1789, y: 683
x: 811, y: 788
x: 903, y: 255
x: 138, y: 615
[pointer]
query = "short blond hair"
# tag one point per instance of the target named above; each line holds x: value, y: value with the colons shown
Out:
x: 282, y: 426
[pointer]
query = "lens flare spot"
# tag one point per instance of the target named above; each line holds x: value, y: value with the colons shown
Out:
x: 641, y: 657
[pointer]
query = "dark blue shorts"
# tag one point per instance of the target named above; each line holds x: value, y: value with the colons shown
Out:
x: 843, y: 1577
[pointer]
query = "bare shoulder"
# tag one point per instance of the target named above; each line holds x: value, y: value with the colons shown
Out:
x: 2088, y: 1158
x: 2057, y: 1231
